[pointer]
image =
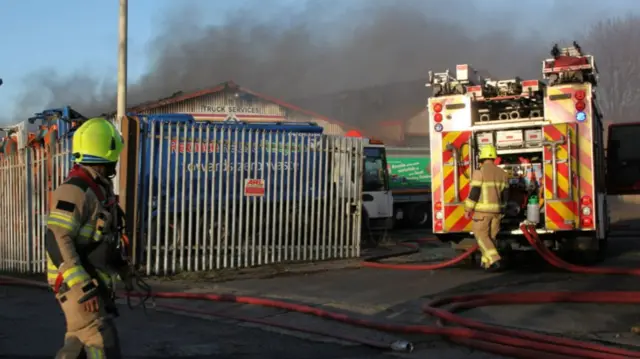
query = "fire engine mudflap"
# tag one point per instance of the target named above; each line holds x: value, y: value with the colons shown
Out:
x: 549, y: 139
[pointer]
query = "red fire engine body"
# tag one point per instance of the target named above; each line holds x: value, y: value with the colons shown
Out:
x: 548, y: 135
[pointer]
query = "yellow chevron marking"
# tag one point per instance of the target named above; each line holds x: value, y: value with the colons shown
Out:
x: 450, y: 137
x: 463, y: 180
x: 563, y: 182
x: 436, y: 168
x: 447, y: 169
x: 449, y: 192
x: 454, y: 217
x: 574, y: 163
x: 548, y: 193
x: 585, y: 171
x: 562, y: 210
x: 561, y: 152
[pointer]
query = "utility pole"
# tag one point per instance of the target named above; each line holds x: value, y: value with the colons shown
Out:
x: 129, y: 150
x: 122, y: 60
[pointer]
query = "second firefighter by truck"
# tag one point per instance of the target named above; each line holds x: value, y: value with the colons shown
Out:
x: 83, y: 244
x: 485, y: 205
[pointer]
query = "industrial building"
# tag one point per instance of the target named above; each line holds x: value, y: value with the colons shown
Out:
x: 229, y: 101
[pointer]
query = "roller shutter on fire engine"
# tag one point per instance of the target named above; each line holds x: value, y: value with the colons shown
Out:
x: 254, y: 187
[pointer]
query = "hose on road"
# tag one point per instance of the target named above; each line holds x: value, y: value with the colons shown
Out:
x: 469, y: 332
x: 413, y: 247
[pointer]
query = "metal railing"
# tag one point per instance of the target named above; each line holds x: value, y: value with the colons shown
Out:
x: 219, y: 197
x: 210, y: 197
x: 27, y: 178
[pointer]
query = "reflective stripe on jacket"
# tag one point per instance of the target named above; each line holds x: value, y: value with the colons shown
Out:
x: 77, y: 223
x: 488, y: 190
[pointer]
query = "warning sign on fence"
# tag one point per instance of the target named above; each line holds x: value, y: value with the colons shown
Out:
x: 254, y: 187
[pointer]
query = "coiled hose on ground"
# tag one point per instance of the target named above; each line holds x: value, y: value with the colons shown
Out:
x: 468, y: 332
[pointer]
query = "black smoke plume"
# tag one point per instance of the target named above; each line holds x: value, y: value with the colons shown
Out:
x: 326, y: 46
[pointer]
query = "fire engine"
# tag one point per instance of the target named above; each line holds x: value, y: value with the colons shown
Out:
x: 549, y: 138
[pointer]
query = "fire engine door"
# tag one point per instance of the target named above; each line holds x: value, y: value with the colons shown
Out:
x: 560, y: 176
x: 623, y: 159
x: 456, y: 177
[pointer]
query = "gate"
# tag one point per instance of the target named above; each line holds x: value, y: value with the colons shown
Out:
x: 26, y: 179
x: 207, y: 196
x: 216, y: 196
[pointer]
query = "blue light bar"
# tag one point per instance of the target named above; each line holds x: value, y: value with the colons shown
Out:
x: 581, y: 116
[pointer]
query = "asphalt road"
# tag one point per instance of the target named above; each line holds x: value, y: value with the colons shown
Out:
x: 386, y: 295
x: 397, y: 296
x: 31, y: 325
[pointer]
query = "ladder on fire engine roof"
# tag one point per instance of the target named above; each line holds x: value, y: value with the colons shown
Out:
x: 569, y: 65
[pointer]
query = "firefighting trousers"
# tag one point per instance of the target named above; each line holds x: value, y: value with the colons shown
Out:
x: 88, y: 335
x: 485, y: 227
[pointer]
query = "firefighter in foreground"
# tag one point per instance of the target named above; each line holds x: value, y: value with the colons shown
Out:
x: 485, y: 205
x: 83, y: 244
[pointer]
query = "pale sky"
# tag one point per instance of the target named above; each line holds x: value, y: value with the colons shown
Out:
x: 79, y: 35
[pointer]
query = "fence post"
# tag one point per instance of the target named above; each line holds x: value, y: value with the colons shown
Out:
x: 30, y: 210
x: 49, y: 158
x: 130, y: 128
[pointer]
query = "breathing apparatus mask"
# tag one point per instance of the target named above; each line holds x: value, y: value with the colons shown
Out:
x: 110, y: 170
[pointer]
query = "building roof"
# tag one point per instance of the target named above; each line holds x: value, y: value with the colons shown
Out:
x: 230, y: 85
x: 371, y: 106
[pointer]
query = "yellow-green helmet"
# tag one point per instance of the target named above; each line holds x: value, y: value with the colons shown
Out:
x: 488, y: 152
x: 96, y: 141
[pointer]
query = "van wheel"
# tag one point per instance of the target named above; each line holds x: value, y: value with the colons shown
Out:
x: 420, y: 215
x: 367, y: 238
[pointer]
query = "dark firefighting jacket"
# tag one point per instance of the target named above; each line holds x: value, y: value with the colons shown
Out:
x: 82, y: 236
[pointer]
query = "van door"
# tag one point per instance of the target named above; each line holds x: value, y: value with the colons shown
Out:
x: 377, y: 201
x: 623, y: 159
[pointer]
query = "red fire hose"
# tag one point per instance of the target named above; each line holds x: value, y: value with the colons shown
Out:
x: 472, y: 333
x: 413, y: 248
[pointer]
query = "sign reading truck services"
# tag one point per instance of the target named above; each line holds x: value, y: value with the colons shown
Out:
x: 233, y: 109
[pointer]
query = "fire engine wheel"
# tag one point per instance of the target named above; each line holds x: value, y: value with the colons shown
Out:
x: 587, y: 256
x: 597, y: 255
